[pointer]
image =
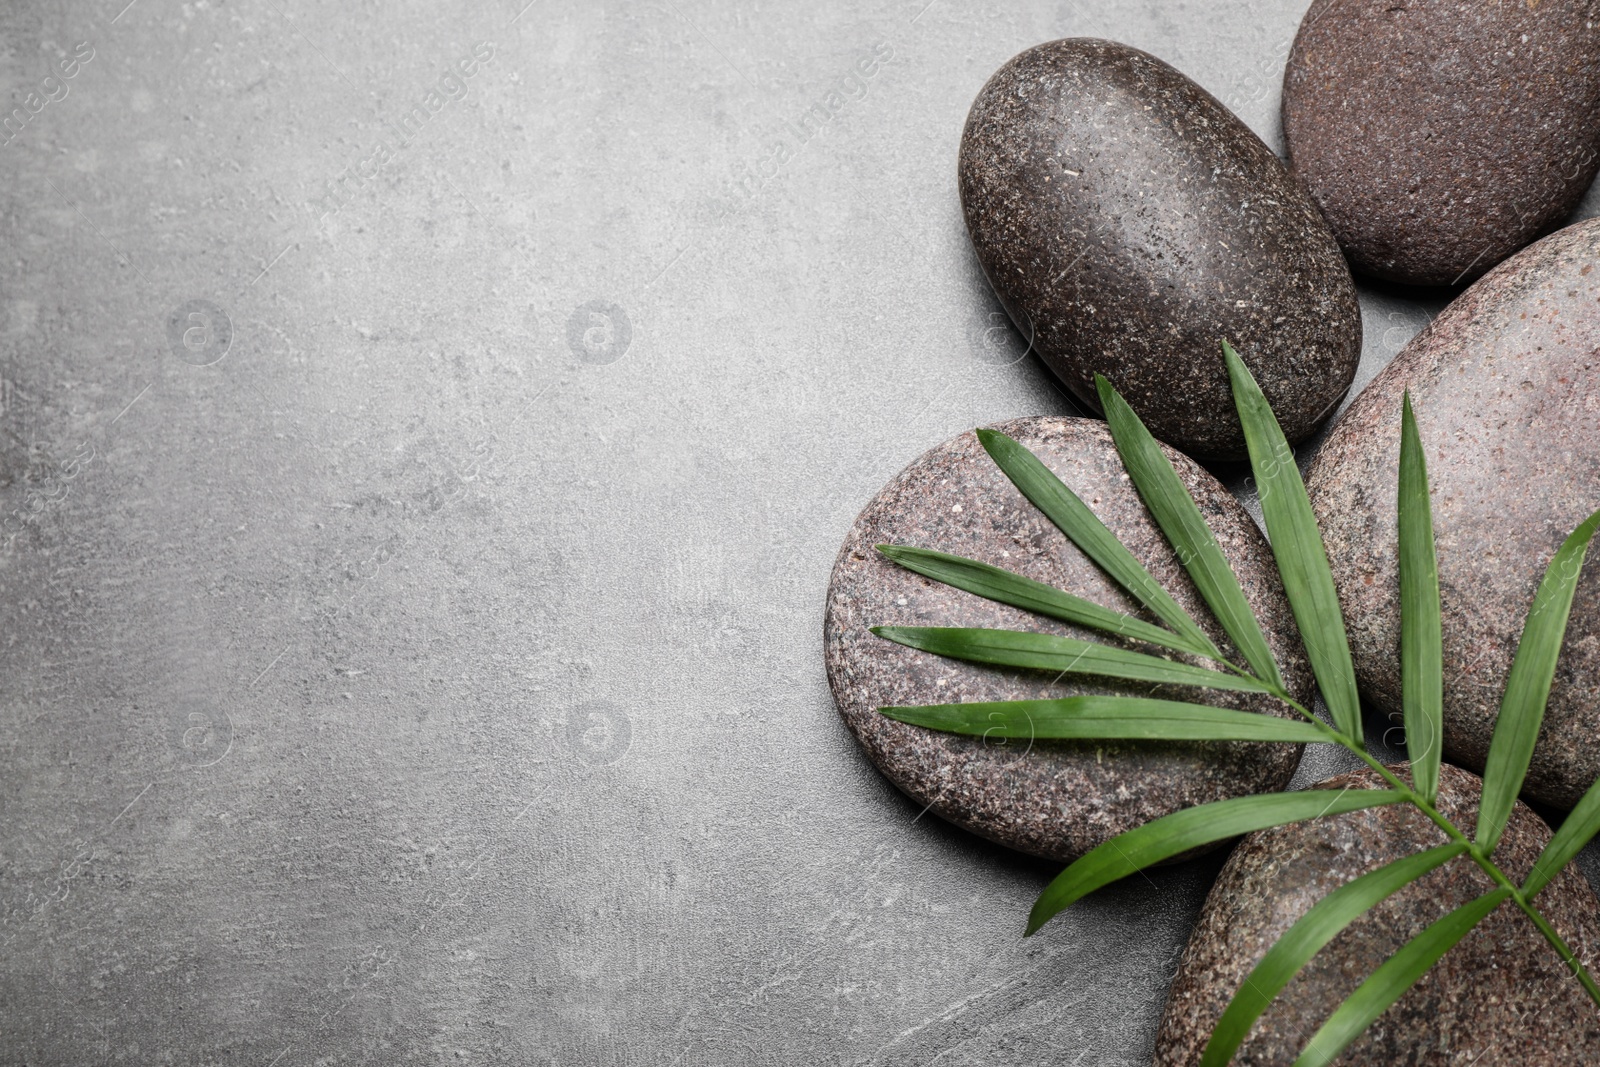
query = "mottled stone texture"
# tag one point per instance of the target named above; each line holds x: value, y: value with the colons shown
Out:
x: 1129, y: 223
x: 1440, y: 136
x: 1053, y: 799
x: 1503, y: 383
x: 1501, y: 996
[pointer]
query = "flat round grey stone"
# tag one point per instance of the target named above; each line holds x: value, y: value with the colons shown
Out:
x: 1129, y: 223
x: 1501, y: 996
x: 1504, y: 388
x: 1440, y: 136
x: 1053, y: 799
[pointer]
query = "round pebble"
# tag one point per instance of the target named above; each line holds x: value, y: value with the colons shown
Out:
x: 1440, y: 136
x: 1055, y: 799
x: 1504, y: 388
x: 1500, y: 996
x: 1130, y: 223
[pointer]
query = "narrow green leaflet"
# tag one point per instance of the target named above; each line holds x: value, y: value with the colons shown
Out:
x: 1581, y: 824
x: 1083, y: 528
x: 1297, y: 546
x: 1421, y: 655
x: 1390, y: 981
x: 1185, y: 528
x: 1326, y: 919
x: 1528, y: 684
x: 996, y: 583
x: 1108, y: 718
x: 1173, y: 834
x: 1066, y: 655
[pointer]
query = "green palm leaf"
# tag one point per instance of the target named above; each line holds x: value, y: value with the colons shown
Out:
x: 1108, y: 718
x: 1083, y: 528
x: 1528, y: 685
x: 1421, y: 656
x: 1297, y: 547
x: 1307, y: 579
x: 1005, y: 587
x: 1185, y: 528
x: 1326, y: 919
x: 1064, y: 655
x: 1390, y: 981
x: 1174, y: 834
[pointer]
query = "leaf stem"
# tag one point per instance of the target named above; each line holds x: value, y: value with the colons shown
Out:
x: 1479, y: 856
x: 1554, y: 938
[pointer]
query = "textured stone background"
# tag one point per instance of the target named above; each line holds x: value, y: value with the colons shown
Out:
x: 434, y: 674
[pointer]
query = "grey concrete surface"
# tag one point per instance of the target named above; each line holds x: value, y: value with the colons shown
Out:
x: 417, y: 525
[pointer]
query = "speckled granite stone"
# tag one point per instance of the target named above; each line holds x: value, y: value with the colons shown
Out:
x: 1501, y: 996
x: 1053, y: 799
x: 1129, y: 223
x: 1440, y: 136
x: 1508, y: 406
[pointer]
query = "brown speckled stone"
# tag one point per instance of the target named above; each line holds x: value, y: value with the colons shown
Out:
x: 1053, y: 799
x: 1501, y: 996
x: 1129, y: 223
x: 1440, y: 136
x: 1505, y: 388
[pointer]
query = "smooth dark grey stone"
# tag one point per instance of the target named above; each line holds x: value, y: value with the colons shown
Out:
x: 1050, y: 798
x: 1501, y: 996
x: 1503, y: 385
x: 1440, y: 136
x: 1130, y: 223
